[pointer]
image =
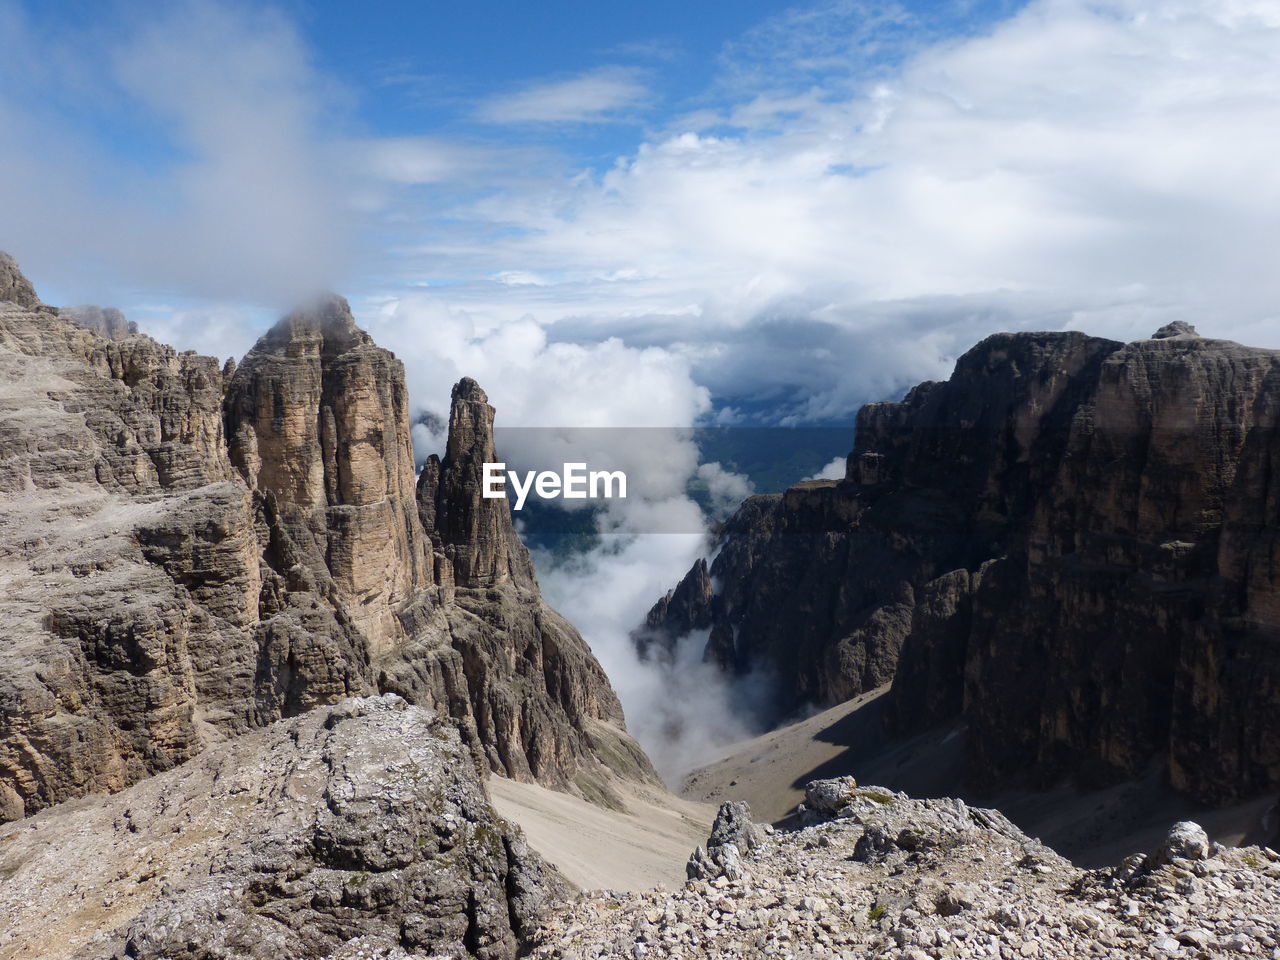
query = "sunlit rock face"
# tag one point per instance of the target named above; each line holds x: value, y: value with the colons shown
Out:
x: 1073, y: 544
x: 318, y: 416
x: 189, y: 551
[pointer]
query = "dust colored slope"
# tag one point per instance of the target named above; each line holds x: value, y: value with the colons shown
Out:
x: 1093, y: 827
x: 597, y: 848
x: 770, y: 771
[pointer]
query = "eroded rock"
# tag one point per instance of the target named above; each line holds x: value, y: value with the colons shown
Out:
x: 1068, y: 546
x: 189, y: 551
x: 968, y: 884
x: 358, y: 823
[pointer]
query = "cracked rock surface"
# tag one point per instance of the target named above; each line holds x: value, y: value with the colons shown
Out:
x: 192, y: 550
x: 359, y: 829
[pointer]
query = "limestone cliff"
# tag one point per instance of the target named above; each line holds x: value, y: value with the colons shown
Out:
x: 188, y: 552
x: 1073, y: 545
x: 317, y: 416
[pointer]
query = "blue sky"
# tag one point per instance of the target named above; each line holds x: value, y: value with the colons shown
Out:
x: 408, y: 69
x: 653, y: 213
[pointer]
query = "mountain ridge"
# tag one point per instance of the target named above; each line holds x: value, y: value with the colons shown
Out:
x: 192, y: 551
x: 989, y: 530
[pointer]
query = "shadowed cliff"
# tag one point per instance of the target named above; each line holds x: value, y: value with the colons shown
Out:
x: 1073, y: 545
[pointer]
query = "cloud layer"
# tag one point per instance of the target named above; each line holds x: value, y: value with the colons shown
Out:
x: 1104, y: 166
x: 594, y: 96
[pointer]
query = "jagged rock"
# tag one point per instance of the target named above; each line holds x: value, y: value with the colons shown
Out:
x: 362, y: 821
x: 317, y: 416
x: 1070, y: 546
x: 474, y: 534
x: 14, y: 287
x: 1186, y: 841
x: 964, y: 887
x: 1130, y: 867
x: 167, y: 585
x: 733, y: 835
x: 1179, y: 328
x: 827, y: 797
x: 691, y: 606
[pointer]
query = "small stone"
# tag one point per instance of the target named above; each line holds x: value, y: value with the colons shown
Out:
x: 1236, y: 943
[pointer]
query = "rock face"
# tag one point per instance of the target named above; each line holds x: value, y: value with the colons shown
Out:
x: 14, y: 287
x: 885, y: 875
x: 472, y: 536
x: 1073, y: 544
x: 356, y: 827
x: 189, y: 552
x: 317, y: 417
x: 733, y: 835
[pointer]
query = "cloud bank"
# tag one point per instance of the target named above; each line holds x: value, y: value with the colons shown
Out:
x: 834, y: 237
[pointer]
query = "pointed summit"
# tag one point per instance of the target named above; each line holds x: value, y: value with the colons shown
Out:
x: 474, y: 532
x: 468, y: 391
x: 14, y: 286
x: 317, y: 416
x: 326, y: 321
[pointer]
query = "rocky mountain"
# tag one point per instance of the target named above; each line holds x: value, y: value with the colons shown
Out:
x: 356, y: 830
x: 189, y: 551
x: 1072, y: 547
x: 875, y: 873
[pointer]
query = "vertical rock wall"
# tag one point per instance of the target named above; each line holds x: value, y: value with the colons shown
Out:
x: 1073, y: 544
x: 188, y: 552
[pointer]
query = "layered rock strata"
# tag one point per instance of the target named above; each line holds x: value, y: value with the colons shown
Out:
x: 1073, y: 545
x: 359, y: 829
x: 189, y: 551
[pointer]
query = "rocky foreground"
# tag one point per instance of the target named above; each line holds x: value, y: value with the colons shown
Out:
x: 878, y: 874
x: 356, y: 830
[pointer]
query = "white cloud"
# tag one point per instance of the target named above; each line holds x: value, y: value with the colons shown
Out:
x: 727, y: 489
x: 533, y: 381
x: 835, y: 470
x: 418, y: 160
x: 595, y: 96
x: 227, y: 194
x: 1105, y: 166
x: 855, y: 201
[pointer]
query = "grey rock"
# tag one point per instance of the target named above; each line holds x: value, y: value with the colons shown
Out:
x: 364, y: 821
x: 192, y: 550
x: 1130, y: 867
x: 828, y: 797
x: 961, y: 893
x: 1186, y: 841
x: 1178, y: 328
x: 733, y: 836
x: 993, y: 536
x: 104, y: 321
x: 14, y: 287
